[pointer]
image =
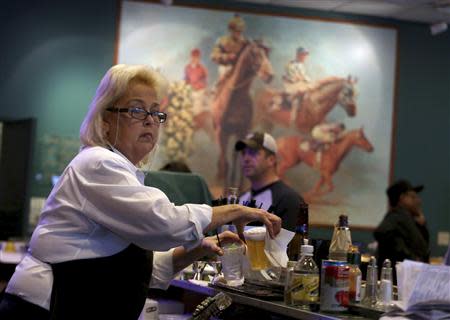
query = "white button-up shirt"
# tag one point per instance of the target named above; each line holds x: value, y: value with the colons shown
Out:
x: 100, y: 206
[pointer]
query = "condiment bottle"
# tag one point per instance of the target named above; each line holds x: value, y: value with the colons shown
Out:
x: 385, y: 298
x: 355, y: 275
x: 370, y: 296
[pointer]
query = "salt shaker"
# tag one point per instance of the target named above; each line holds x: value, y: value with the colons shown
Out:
x: 386, y: 284
x: 370, y: 297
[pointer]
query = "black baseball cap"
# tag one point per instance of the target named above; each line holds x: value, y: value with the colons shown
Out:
x: 400, y: 187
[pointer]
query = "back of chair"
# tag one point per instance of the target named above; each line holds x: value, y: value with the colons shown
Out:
x: 180, y: 187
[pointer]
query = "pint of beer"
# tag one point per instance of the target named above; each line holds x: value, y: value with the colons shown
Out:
x: 255, y: 244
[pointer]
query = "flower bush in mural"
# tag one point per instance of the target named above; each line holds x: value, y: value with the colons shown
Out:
x: 178, y: 132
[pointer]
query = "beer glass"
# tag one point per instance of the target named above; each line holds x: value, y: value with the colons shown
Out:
x: 255, y: 239
x: 232, y: 264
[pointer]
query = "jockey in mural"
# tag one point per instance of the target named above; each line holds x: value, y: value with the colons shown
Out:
x: 295, y: 79
x: 296, y: 82
x: 227, y: 48
x: 195, y: 75
x: 325, y: 134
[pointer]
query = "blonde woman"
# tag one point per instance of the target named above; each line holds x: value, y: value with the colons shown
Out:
x: 91, y: 255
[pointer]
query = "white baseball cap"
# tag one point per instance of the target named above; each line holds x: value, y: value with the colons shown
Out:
x: 257, y: 140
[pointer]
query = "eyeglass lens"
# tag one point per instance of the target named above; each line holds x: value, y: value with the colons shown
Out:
x: 142, y: 114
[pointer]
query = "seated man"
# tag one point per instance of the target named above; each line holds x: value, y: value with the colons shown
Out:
x: 259, y: 164
x: 403, y: 233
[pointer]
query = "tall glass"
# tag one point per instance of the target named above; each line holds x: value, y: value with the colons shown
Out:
x: 232, y: 264
x: 255, y: 239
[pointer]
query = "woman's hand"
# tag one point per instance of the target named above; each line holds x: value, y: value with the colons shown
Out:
x: 241, y: 216
x: 210, y: 245
x: 271, y: 221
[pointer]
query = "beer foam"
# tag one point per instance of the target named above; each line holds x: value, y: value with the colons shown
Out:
x: 255, y: 234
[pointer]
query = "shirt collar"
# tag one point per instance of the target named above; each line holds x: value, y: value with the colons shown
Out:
x: 139, y: 174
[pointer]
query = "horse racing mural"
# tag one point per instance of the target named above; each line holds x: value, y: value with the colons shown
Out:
x: 323, y: 89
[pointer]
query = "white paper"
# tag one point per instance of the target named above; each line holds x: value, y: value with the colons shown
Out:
x: 421, y: 282
x: 433, y: 283
x: 276, y: 249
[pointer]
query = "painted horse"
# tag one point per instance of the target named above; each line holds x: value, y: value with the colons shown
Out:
x: 314, y: 105
x: 232, y: 107
x: 294, y: 149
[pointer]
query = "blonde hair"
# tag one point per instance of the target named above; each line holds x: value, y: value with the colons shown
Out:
x: 112, y: 87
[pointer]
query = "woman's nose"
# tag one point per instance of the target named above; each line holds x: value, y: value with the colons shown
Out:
x: 149, y: 121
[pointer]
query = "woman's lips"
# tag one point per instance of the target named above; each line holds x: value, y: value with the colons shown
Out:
x: 146, y: 136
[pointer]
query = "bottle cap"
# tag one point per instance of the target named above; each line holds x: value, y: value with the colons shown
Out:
x: 343, y: 220
x: 387, y: 263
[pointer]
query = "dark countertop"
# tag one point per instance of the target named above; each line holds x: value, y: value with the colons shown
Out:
x: 277, y: 307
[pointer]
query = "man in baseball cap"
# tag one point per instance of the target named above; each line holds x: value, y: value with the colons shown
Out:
x: 403, y: 233
x: 257, y: 140
x: 399, y: 188
x: 258, y: 158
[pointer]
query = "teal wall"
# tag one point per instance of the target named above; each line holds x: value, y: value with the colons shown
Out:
x: 55, y: 52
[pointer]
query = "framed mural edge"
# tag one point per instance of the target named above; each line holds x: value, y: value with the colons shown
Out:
x: 323, y: 87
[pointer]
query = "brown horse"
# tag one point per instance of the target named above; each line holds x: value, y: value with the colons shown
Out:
x: 294, y: 149
x: 314, y: 105
x: 232, y: 108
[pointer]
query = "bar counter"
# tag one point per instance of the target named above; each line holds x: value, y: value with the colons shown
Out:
x: 274, y: 307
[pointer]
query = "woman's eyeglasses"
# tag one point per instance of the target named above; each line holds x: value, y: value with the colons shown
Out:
x: 142, y: 114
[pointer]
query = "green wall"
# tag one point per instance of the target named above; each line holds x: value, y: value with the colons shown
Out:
x: 55, y: 52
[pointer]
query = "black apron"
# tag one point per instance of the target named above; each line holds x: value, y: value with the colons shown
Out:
x: 113, y: 287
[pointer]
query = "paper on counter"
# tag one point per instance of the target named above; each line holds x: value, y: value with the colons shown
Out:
x: 276, y: 249
x: 433, y: 283
x: 420, y: 282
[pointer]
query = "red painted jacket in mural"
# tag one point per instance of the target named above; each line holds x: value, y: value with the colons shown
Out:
x: 196, y: 75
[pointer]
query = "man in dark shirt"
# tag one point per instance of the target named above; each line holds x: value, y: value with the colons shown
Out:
x: 259, y: 165
x: 403, y: 233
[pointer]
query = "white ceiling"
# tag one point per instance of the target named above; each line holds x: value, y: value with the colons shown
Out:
x: 425, y: 11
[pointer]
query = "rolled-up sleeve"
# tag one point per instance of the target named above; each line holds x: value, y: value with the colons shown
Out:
x: 143, y: 215
x: 162, y: 272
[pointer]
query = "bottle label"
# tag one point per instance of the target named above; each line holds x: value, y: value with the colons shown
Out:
x: 305, y: 288
x: 334, y: 287
x: 355, y: 289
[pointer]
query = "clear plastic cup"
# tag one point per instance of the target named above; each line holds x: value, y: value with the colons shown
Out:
x: 255, y: 239
x: 232, y: 264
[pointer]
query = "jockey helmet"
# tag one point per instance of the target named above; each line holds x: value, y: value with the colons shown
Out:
x: 236, y: 23
x: 195, y: 52
x: 301, y: 50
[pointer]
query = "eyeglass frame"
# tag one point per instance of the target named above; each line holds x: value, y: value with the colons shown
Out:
x: 162, y: 116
